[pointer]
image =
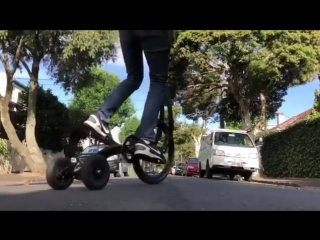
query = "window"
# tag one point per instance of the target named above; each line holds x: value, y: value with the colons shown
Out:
x: 93, y: 149
x: 232, y: 139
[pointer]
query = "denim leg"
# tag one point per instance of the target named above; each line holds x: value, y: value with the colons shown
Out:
x: 158, y: 62
x: 133, y: 58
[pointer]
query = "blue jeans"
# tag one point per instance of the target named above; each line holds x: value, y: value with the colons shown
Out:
x: 156, y: 47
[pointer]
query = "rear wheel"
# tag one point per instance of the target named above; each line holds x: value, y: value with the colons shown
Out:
x: 231, y: 176
x: 209, y: 171
x: 95, y: 172
x: 247, y: 176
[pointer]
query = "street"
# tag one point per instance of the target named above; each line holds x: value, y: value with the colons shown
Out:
x: 174, y: 194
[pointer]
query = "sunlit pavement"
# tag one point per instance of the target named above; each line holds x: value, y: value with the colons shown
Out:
x: 175, y: 194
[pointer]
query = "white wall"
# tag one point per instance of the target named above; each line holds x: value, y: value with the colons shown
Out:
x: 3, y: 85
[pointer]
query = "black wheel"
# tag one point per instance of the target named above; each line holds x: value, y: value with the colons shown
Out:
x: 116, y: 174
x: 231, y: 176
x: 95, y: 172
x: 164, y: 137
x: 59, y: 174
x: 247, y: 176
x: 208, y: 172
x: 126, y: 174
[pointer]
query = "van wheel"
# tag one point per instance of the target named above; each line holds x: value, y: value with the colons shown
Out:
x: 247, y: 176
x: 209, y: 171
x: 201, y: 172
x: 231, y: 176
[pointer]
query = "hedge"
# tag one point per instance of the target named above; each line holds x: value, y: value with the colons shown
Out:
x: 294, y: 152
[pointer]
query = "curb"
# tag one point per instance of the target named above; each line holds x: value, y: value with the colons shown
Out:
x: 277, y: 183
x: 28, y: 182
x: 41, y: 181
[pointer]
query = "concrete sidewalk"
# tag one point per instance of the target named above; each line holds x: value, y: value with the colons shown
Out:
x: 33, y: 179
x: 20, y: 179
x: 292, y: 182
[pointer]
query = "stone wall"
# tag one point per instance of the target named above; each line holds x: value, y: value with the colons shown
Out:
x: 18, y: 166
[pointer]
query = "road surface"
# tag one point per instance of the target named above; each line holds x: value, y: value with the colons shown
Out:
x: 175, y: 194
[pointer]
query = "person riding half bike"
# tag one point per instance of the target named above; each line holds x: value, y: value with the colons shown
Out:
x: 155, y: 44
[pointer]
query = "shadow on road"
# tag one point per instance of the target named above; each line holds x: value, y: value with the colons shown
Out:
x: 124, y: 194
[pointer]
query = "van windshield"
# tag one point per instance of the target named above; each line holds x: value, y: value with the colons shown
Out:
x: 193, y: 160
x: 232, y: 139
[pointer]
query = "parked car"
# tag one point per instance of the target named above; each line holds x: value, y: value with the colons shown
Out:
x: 228, y: 152
x: 114, y: 161
x: 179, y: 169
x: 192, y: 167
x: 173, y: 170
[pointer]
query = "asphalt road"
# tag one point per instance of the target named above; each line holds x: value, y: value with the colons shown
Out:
x: 175, y: 194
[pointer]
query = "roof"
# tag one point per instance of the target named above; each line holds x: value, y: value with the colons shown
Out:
x: 19, y: 84
x: 293, y: 121
x: 228, y: 130
x: 286, y: 124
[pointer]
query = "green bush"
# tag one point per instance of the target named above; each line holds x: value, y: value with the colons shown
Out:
x: 294, y: 152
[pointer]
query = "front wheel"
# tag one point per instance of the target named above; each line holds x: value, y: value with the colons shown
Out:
x: 59, y: 174
x: 164, y: 138
x: 247, y: 176
x: 208, y: 172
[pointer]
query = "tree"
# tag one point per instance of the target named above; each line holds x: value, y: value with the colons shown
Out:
x: 52, y: 117
x: 184, y: 142
x: 89, y: 99
x: 256, y: 66
x: 129, y: 128
x: 67, y: 55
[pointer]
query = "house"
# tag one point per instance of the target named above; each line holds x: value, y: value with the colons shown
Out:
x: 18, y: 88
x: 17, y: 165
x: 283, y: 124
x: 291, y: 121
x: 280, y: 120
x: 14, y: 104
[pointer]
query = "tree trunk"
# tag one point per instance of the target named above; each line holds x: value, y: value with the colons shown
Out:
x: 197, y: 145
x: 9, y: 128
x: 245, y: 115
x: 32, y: 144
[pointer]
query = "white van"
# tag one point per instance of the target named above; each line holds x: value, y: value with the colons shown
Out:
x: 228, y: 152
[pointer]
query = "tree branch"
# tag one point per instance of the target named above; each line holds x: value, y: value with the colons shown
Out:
x: 17, y: 56
x: 25, y: 65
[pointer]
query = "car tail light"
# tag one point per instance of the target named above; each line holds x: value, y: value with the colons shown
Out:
x: 253, y: 155
x: 218, y: 152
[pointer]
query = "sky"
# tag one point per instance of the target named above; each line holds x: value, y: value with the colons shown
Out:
x: 297, y: 100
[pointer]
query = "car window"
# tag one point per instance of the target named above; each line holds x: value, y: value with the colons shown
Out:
x: 232, y: 139
x: 93, y: 149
